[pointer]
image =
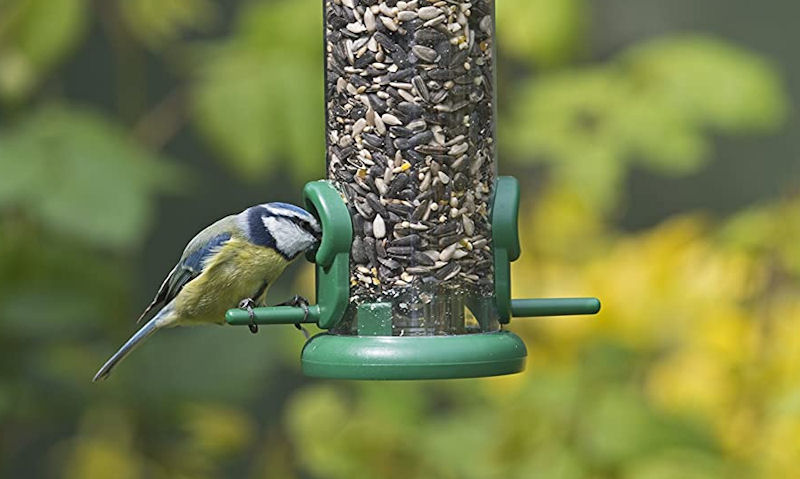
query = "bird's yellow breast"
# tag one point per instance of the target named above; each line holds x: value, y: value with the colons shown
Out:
x: 237, y: 271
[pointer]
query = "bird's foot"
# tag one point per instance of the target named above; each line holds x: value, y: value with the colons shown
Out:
x: 298, y: 301
x: 247, y: 305
x: 300, y: 327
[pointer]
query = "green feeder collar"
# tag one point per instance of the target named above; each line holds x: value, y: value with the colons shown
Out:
x: 414, y: 357
x: 375, y: 353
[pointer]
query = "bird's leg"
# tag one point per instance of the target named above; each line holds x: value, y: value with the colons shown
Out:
x: 303, y: 329
x: 247, y: 305
x: 298, y: 301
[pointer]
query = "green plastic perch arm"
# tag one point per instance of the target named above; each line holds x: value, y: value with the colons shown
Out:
x: 274, y: 315
x: 519, y: 308
x: 554, y: 306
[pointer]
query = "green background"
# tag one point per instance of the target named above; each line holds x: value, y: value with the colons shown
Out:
x: 656, y: 147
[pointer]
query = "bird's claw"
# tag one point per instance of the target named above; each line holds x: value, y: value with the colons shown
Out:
x: 247, y: 305
x: 298, y: 301
x: 304, y: 330
x: 304, y: 305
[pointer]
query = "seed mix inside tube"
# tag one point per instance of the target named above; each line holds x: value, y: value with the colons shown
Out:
x: 410, y: 143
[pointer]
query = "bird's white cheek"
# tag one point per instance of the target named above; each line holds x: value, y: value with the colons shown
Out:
x: 301, y: 243
x: 290, y: 239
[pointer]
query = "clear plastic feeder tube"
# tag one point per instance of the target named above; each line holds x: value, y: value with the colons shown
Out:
x: 410, y: 114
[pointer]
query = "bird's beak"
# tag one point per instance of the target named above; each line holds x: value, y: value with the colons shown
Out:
x: 312, y: 251
x: 317, y: 237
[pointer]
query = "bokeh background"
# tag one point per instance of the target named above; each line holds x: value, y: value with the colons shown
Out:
x: 657, y: 147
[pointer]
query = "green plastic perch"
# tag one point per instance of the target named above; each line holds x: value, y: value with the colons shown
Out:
x: 273, y: 315
x: 526, y: 308
x: 520, y: 308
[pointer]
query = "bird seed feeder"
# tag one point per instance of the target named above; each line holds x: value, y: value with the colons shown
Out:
x: 418, y: 231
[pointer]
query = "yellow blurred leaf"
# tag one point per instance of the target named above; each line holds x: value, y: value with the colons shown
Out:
x: 545, y: 32
x: 103, y: 448
x: 216, y: 430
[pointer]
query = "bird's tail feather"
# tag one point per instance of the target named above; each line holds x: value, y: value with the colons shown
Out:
x: 149, y: 328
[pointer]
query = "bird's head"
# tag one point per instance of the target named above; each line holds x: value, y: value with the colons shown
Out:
x: 289, y: 229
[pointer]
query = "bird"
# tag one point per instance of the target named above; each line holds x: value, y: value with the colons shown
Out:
x: 230, y: 263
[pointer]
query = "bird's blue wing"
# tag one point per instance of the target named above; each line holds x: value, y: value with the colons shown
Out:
x: 188, y: 268
x: 193, y: 260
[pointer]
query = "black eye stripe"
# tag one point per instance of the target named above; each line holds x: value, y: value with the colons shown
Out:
x: 258, y: 232
x: 305, y: 222
x: 309, y: 228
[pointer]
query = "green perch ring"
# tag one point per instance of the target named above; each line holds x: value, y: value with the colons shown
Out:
x: 375, y: 353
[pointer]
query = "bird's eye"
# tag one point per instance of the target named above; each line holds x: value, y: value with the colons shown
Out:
x: 313, y: 229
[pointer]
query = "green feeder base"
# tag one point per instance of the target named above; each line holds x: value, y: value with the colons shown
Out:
x: 413, y: 357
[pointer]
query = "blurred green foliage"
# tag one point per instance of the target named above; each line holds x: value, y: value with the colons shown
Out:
x: 653, y: 105
x: 35, y: 35
x: 159, y: 23
x: 257, y: 96
x: 76, y: 172
x: 542, y: 32
x: 690, y: 371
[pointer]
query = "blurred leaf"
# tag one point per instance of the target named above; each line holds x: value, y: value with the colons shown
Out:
x: 654, y: 106
x: 105, y: 444
x: 620, y: 427
x: 709, y: 81
x: 616, y: 428
x: 78, y: 173
x: 770, y: 230
x: 275, y: 459
x: 258, y: 96
x: 34, y: 36
x: 55, y: 287
x: 545, y: 32
x: 216, y: 431
x: 24, y: 315
x: 448, y: 438
x: 553, y: 461
x: 575, y: 121
x: 360, y: 435
x: 680, y: 464
x: 317, y: 419
x: 156, y: 23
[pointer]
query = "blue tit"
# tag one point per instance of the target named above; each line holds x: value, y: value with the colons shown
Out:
x: 230, y: 263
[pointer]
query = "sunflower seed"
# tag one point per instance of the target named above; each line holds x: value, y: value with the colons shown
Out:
x: 390, y: 119
x: 378, y: 227
x: 356, y: 27
x: 422, y: 259
x: 425, y: 53
x: 447, y: 253
x: 426, y: 13
x: 369, y: 20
